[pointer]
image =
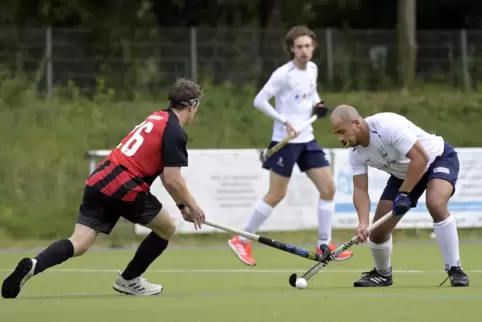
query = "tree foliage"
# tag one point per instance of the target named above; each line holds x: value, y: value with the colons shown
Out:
x: 373, y: 14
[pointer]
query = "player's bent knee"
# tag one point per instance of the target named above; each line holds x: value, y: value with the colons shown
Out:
x: 275, y: 194
x: 169, y: 229
x: 278, y: 187
x: 274, y: 197
x: 163, y: 225
x: 80, y: 249
x: 81, y: 246
x: 382, y: 233
x: 82, y: 238
x: 328, y: 191
x: 437, y: 207
x: 379, y: 237
x: 437, y: 197
x: 166, y: 232
x: 323, y: 180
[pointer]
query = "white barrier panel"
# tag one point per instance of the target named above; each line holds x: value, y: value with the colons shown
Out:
x: 228, y: 183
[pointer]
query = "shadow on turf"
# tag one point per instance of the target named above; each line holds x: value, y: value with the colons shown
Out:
x: 284, y: 294
x: 422, y: 287
x: 287, y: 290
x: 68, y: 296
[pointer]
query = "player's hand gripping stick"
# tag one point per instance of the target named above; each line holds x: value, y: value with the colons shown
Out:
x: 272, y: 243
x: 318, y: 267
x: 320, y: 111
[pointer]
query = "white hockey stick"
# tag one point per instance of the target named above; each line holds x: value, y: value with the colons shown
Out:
x: 318, y: 267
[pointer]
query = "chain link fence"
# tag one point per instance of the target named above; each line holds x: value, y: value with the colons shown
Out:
x: 145, y: 60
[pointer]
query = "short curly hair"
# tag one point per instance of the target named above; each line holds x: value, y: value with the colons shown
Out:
x: 293, y: 34
x: 184, y: 93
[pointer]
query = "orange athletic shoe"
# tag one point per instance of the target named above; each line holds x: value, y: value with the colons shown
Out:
x: 343, y: 256
x: 242, y: 250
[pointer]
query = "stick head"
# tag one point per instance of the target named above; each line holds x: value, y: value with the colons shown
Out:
x: 293, y: 279
x: 325, y: 251
x: 263, y: 155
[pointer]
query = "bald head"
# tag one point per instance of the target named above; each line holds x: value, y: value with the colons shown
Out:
x: 344, y: 113
x: 348, y: 125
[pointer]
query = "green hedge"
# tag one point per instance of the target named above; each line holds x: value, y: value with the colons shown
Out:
x: 43, y: 164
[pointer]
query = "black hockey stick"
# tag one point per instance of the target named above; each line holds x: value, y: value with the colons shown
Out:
x: 274, y: 243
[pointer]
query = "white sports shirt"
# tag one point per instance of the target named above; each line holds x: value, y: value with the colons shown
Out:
x: 295, y: 95
x: 391, y: 137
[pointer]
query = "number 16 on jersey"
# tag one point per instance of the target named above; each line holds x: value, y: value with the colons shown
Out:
x: 135, y: 141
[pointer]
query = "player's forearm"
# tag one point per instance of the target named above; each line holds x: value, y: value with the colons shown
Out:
x: 416, y: 169
x: 361, y: 200
x: 178, y: 190
x: 316, y: 99
x: 261, y: 102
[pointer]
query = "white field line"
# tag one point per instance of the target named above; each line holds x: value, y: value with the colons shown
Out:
x: 235, y: 271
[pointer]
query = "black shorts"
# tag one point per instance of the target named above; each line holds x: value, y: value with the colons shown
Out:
x: 101, y: 212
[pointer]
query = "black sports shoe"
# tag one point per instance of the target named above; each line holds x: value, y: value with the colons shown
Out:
x: 374, y: 279
x: 457, y: 277
x: 13, y: 283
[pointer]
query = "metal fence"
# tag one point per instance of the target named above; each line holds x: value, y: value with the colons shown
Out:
x: 145, y: 59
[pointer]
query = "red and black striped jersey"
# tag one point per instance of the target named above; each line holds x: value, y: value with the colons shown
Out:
x: 141, y: 156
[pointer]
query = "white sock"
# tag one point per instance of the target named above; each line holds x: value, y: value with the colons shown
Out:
x: 326, y: 208
x: 381, y: 255
x: 448, y: 241
x: 261, y: 212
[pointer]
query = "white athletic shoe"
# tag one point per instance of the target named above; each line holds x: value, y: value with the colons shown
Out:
x: 136, y: 286
x: 15, y: 281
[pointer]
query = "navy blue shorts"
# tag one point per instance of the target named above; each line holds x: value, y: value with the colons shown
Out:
x: 445, y: 167
x: 307, y: 155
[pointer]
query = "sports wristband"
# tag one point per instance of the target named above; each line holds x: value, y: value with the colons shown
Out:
x: 181, y: 206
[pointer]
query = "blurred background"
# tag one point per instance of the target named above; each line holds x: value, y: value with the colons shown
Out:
x: 76, y: 76
x: 134, y: 46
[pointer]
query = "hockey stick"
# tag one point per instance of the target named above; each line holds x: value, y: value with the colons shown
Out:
x: 273, y: 243
x: 266, y: 154
x: 318, y: 267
